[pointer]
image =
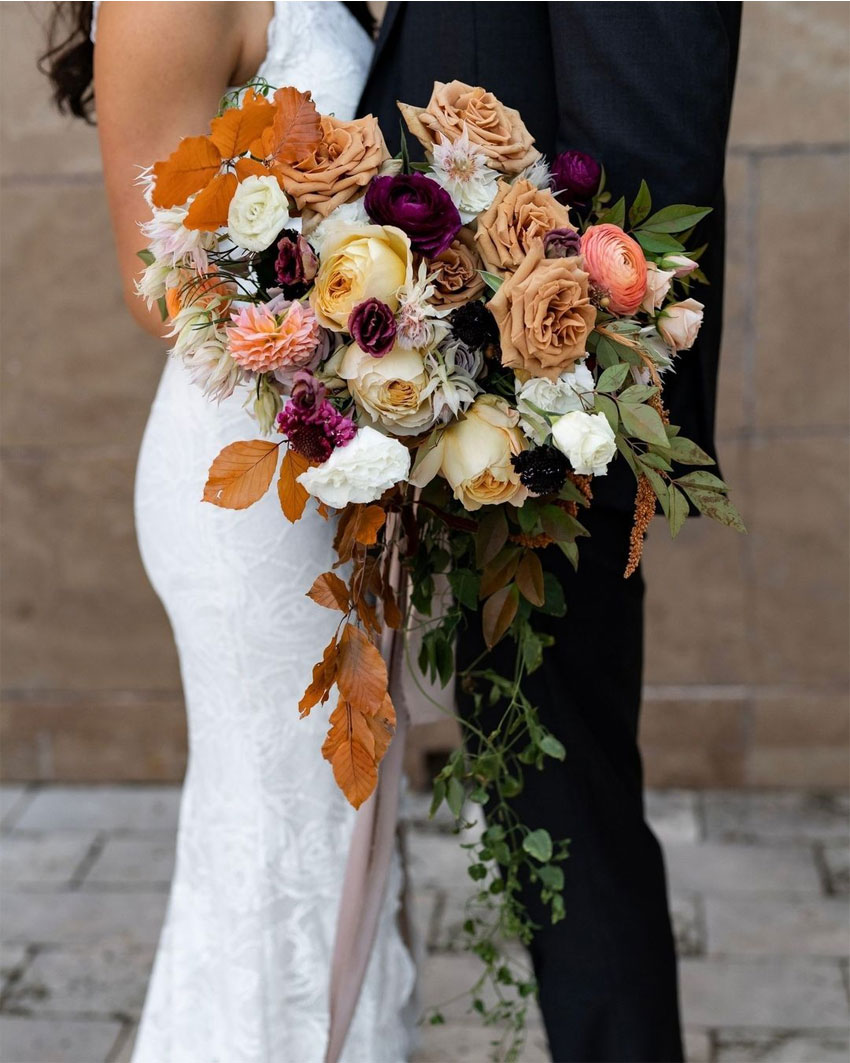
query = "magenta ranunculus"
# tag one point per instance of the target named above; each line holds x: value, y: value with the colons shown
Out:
x: 418, y: 206
x: 576, y: 176
x: 373, y: 327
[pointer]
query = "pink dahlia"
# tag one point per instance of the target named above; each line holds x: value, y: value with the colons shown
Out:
x: 275, y: 336
x: 616, y: 264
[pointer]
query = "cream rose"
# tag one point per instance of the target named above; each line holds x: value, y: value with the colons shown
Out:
x: 358, y: 472
x: 587, y: 440
x: 474, y: 455
x: 360, y: 262
x: 258, y: 211
x: 679, y: 324
x: 394, y: 391
x: 658, y: 283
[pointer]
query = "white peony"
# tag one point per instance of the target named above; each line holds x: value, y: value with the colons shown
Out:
x: 571, y: 391
x: 679, y: 323
x: 587, y: 440
x: 657, y: 286
x: 463, y: 171
x: 258, y: 211
x: 360, y: 471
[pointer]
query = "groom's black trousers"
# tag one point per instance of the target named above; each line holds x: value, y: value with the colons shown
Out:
x: 607, y: 972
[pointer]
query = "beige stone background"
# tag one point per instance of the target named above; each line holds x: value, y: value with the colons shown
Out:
x: 747, y: 658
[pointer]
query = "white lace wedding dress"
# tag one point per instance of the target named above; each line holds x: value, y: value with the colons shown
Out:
x: 243, y: 966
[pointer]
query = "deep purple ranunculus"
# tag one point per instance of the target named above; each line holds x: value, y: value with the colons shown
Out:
x: 296, y: 264
x: 576, y: 175
x: 373, y: 326
x: 416, y: 205
x: 561, y: 243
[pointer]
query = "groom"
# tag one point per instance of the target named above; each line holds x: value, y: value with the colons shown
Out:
x: 645, y: 88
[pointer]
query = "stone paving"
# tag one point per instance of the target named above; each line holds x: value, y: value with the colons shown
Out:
x: 759, y: 887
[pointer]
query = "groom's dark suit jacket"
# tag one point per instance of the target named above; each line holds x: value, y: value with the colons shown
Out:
x: 644, y: 87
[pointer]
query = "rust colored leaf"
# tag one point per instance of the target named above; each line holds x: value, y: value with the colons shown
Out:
x: 382, y: 726
x: 293, y: 497
x: 324, y: 677
x: 529, y: 578
x: 367, y: 615
x: 350, y: 749
x: 296, y: 130
x: 186, y: 171
x: 251, y: 168
x: 329, y: 590
x: 499, y: 572
x: 241, y: 474
x: 368, y: 522
x: 498, y: 613
x: 235, y: 131
x: 362, y: 673
x: 209, y: 208
x: 392, y: 613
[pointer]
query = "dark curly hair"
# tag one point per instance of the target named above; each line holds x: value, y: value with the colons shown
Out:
x: 69, y: 58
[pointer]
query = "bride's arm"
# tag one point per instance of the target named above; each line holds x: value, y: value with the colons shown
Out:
x: 160, y: 70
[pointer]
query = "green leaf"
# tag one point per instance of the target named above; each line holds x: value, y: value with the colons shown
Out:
x: 527, y: 516
x: 550, y: 745
x: 465, y: 583
x: 615, y: 214
x: 637, y: 393
x: 628, y: 454
x: 554, y: 603
x: 538, y: 844
x: 716, y: 505
x: 675, y: 219
x: 655, y: 461
x: 556, y: 523
x: 437, y: 798
x: 404, y: 153
x: 706, y: 480
x: 491, y: 536
x: 609, y: 408
x: 641, y: 206
x: 677, y: 510
x: 688, y: 453
x: 493, y: 282
x: 643, y: 422
x: 657, y: 243
x: 454, y: 797
x: 659, y: 486
x: 613, y: 377
x: 551, y: 877
x: 570, y: 551
x: 146, y: 255
x: 606, y: 353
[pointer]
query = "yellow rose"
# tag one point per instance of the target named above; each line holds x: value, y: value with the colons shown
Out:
x: 393, y: 391
x: 474, y: 455
x: 358, y: 263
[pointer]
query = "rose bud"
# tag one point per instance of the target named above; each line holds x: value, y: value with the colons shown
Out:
x: 562, y: 243
x: 679, y: 324
x: 373, y: 327
x: 577, y: 176
x: 680, y: 264
x: 418, y: 206
x: 296, y: 264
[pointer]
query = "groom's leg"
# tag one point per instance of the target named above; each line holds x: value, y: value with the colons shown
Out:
x: 607, y: 972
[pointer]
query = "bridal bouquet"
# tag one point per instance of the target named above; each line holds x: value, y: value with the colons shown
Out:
x: 444, y: 355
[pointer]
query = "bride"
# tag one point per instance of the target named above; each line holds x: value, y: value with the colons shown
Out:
x: 244, y: 961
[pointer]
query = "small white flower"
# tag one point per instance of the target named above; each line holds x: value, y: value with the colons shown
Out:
x: 571, y: 391
x: 463, y: 171
x: 155, y: 279
x: 420, y: 323
x: 350, y: 215
x: 258, y: 211
x: 358, y: 472
x: 212, y: 368
x: 538, y: 174
x: 587, y: 440
x: 170, y: 241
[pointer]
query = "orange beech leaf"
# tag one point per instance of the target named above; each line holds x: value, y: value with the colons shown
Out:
x: 235, y: 130
x: 392, y: 613
x: 361, y: 674
x: 382, y: 727
x: 296, y: 130
x: 350, y: 749
x: 209, y: 208
x: 367, y: 615
x: 251, y: 168
x: 498, y: 613
x: 324, y: 677
x: 369, y: 521
x: 329, y: 590
x: 186, y: 171
x: 293, y: 497
x: 241, y: 474
x: 323, y: 510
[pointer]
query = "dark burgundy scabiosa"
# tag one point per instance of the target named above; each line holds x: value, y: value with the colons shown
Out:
x: 562, y: 243
x: 312, y: 425
x: 576, y: 175
x: 542, y: 470
x: 416, y: 205
x: 474, y: 325
x: 373, y: 326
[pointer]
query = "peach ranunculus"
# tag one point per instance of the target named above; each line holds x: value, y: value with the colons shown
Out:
x: 474, y: 454
x: 544, y: 314
x: 616, y: 264
x: 455, y: 273
x: 360, y: 262
x: 520, y: 214
x: 349, y: 156
x: 278, y: 337
x: 498, y: 132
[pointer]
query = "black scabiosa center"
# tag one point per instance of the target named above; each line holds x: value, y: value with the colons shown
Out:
x: 542, y: 470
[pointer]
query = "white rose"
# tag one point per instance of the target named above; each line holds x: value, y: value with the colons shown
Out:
x: 258, y: 211
x: 679, y: 324
x: 657, y: 286
x: 394, y: 391
x: 350, y: 215
x: 360, y: 471
x: 552, y: 396
x: 587, y: 440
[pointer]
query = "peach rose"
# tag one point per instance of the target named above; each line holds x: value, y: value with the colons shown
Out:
x: 495, y: 130
x: 544, y: 314
x: 350, y: 155
x: 456, y: 278
x: 519, y: 215
x: 616, y: 264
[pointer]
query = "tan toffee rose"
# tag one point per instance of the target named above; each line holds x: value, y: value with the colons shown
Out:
x: 350, y: 155
x: 457, y: 279
x: 544, y: 314
x: 497, y: 131
x: 520, y: 214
